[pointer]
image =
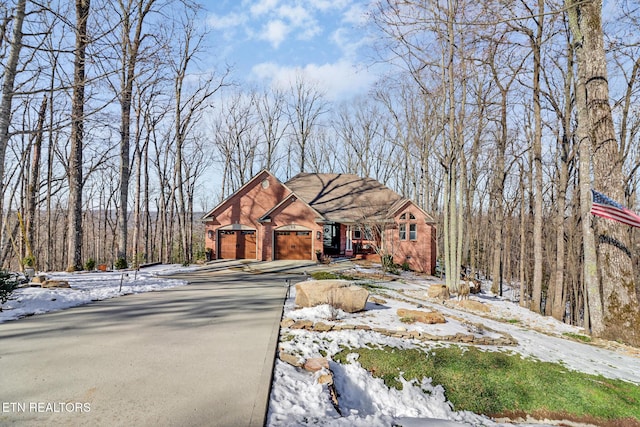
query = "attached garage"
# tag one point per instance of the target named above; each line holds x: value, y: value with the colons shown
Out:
x: 237, y: 244
x: 294, y: 245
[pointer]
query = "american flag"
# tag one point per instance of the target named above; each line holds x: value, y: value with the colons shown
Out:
x: 610, y: 209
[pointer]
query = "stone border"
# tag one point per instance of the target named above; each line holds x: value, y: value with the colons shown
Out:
x: 505, y: 340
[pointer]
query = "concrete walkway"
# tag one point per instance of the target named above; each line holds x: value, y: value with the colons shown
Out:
x: 200, y: 354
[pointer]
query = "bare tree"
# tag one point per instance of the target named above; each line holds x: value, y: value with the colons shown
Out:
x: 8, y: 82
x: 619, y: 301
x: 133, y: 15
x: 74, y: 260
x: 306, y: 107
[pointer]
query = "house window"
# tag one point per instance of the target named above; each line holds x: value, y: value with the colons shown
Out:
x: 402, y: 231
x: 363, y: 233
x: 413, y: 231
x: 407, y: 221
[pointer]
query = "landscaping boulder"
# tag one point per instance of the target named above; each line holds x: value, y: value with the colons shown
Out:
x: 40, y: 278
x: 440, y: 292
x: 428, y: 317
x: 55, y: 284
x: 474, y: 305
x: 340, y: 294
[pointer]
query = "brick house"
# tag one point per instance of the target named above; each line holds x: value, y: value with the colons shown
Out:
x: 331, y: 214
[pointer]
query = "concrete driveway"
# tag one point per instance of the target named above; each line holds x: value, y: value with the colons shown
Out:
x: 200, y: 354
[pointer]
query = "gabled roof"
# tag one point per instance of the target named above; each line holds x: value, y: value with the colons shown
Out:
x: 260, y: 175
x: 344, y: 197
x: 290, y: 197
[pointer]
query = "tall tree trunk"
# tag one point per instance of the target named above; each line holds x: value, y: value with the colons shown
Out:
x: 536, y: 300
x: 619, y: 299
x: 34, y: 178
x: 8, y: 81
x: 130, y: 48
x: 559, y: 298
x: 74, y: 253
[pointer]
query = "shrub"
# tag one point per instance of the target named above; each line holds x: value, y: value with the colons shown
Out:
x: 120, y: 264
x: 388, y: 265
x: 90, y: 265
x: 8, y: 282
x: 405, y: 266
x: 29, y: 261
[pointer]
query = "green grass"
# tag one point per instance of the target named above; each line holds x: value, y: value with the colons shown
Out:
x: 578, y: 337
x: 499, y: 384
x: 328, y: 275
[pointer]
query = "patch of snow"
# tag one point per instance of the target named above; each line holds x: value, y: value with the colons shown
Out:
x: 85, y: 288
x: 298, y: 399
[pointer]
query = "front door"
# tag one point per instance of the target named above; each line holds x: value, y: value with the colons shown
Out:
x: 331, y: 239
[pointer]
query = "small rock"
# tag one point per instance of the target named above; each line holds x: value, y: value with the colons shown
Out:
x: 302, y: 324
x: 322, y: 327
x: 286, y: 323
x: 377, y: 300
x: 326, y: 379
x: 315, y: 364
x: 290, y: 359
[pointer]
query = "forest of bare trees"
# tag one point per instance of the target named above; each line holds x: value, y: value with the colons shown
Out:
x: 496, y: 117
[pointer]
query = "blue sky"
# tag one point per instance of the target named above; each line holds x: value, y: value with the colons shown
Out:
x: 272, y: 41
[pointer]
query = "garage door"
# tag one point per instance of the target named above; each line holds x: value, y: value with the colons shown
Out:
x: 237, y: 244
x: 293, y: 245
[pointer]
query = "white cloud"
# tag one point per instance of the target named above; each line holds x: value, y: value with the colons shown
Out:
x: 262, y: 7
x: 300, y: 18
x: 338, y: 80
x: 275, y: 32
x: 232, y: 20
x: 325, y: 5
x: 356, y: 14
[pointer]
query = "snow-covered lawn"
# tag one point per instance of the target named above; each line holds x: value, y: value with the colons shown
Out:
x: 86, y: 287
x: 298, y: 399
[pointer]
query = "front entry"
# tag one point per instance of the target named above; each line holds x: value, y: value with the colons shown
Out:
x: 294, y: 245
x: 237, y: 244
x: 331, y: 239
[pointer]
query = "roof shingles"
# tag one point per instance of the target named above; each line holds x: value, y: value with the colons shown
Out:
x: 343, y: 197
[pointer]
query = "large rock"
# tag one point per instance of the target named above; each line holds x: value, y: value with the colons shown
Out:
x: 429, y: 317
x: 439, y: 292
x: 55, y: 284
x: 474, y: 305
x: 340, y: 294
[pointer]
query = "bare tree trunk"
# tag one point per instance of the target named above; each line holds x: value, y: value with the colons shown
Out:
x: 34, y: 178
x: 74, y: 253
x: 8, y: 82
x: 559, y: 299
x: 130, y: 48
x: 536, y: 299
x: 619, y: 298
x: 523, y: 239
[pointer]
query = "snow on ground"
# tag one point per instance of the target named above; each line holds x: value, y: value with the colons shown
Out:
x: 296, y: 396
x: 86, y: 287
x: 298, y: 399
